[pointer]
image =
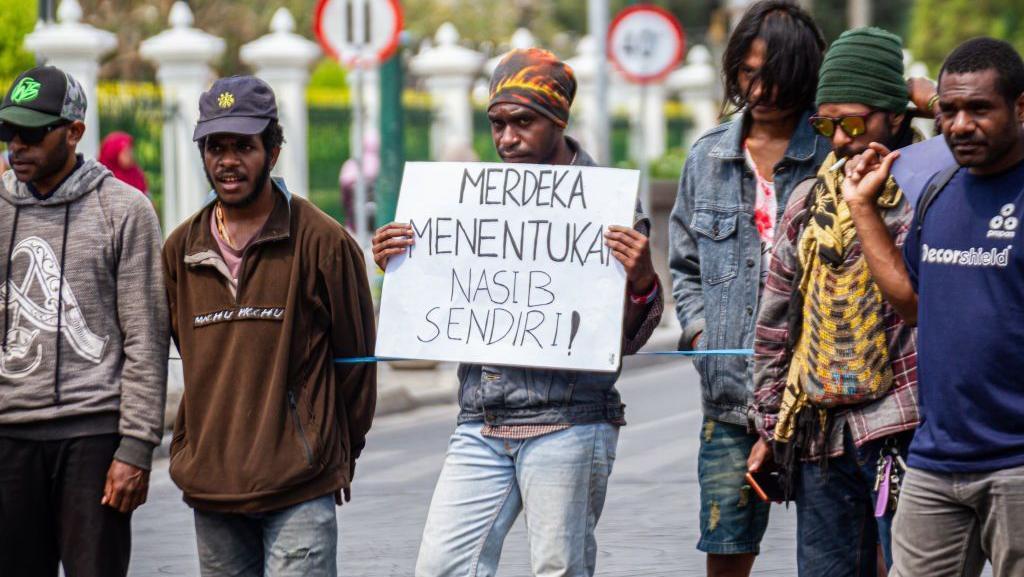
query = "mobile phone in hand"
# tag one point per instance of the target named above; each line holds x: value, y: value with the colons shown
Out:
x: 767, y: 485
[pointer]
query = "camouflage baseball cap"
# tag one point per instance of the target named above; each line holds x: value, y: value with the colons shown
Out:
x: 43, y: 96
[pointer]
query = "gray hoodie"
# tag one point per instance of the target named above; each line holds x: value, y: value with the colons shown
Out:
x: 84, y: 313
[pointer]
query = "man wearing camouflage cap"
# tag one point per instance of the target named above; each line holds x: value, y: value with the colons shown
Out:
x: 83, y: 370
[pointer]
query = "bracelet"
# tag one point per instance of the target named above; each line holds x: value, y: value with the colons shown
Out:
x: 647, y: 298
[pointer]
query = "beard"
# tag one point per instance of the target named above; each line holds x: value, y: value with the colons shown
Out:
x: 989, y: 151
x: 52, y: 163
x: 248, y: 199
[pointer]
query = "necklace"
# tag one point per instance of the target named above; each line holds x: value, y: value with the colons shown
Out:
x: 222, y: 228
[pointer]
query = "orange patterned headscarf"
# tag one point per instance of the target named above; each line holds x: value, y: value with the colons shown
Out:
x: 536, y: 79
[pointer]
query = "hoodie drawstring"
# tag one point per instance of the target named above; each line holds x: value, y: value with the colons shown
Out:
x: 60, y: 301
x: 7, y: 276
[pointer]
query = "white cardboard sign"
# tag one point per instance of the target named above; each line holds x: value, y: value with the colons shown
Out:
x: 509, y: 266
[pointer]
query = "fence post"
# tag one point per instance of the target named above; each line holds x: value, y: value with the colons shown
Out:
x: 521, y: 39
x: 696, y: 83
x: 915, y: 69
x: 283, y: 58
x: 75, y: 48
x: 392, y: 141
x: 448, y: 70
x: 652, y: 120
x: 583, y: 125
x: 182, y: 55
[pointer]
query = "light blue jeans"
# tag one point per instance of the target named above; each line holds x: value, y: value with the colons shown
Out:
x: 299, y: 541
x: 558, y: 480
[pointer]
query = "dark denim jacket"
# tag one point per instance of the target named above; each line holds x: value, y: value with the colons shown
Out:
x: 715, y: 255
x: 501, y: 395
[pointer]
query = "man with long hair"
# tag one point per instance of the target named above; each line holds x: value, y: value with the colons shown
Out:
x: 734, y: 186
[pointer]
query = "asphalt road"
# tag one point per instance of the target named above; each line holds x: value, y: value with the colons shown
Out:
x: 649, y: 525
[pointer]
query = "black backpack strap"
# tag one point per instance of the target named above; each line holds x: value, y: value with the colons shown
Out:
x: 935, y: 186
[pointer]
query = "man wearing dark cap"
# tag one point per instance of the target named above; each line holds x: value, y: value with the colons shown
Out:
x: 83, y: 367
x: 265, y: 290
x: 548, y: 445
x: 835, y: 371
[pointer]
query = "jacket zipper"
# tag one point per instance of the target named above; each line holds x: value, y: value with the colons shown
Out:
x: 245, y: 258
x: 298, y: 425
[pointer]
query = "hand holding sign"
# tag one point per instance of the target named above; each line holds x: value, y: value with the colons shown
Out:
x: 633, y: 250
x: 391, y: 240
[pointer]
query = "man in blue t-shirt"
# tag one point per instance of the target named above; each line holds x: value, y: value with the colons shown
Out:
x: 960, y: 278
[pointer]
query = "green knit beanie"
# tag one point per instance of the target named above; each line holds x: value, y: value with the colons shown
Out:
x: 864, y: 66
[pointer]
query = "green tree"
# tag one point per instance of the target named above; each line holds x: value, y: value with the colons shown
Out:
x: 237, y: 21
x: 555, y: 23
x: 17, y: 18
x: 938, y: 26
x: 888, y: 14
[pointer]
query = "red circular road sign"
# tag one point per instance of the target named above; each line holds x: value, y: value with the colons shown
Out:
x: 333, y: 26
x: 645, y: 43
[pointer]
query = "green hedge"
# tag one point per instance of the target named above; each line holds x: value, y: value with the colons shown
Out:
x: 137, y: 110
x: 330, y: 146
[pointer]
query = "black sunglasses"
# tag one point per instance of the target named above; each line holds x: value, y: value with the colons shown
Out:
x: 28, y: 134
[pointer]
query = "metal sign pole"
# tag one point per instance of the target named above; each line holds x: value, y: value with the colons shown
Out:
x: 358, y: 121
x: 359, y: 34
x: 646, y: 43
x: 597, y: 20
x: 642, y: 160
x: 359, y: 204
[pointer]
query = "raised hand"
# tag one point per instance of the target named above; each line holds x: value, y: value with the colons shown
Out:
x: 867, y: 173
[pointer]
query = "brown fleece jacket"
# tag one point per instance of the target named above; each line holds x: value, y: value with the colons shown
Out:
x: 268, y: 420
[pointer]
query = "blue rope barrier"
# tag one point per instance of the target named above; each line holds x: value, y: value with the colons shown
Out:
x: 713, y: 352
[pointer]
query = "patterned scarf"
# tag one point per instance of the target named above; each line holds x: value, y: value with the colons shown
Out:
x: 841, y: 356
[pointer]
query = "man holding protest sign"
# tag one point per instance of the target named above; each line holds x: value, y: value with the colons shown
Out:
x: 533, y: 439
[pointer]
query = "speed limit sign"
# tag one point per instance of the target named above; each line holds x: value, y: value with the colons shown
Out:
x: 645, y: 43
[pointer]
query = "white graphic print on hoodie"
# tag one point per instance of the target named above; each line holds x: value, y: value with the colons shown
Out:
x: 83, y: 312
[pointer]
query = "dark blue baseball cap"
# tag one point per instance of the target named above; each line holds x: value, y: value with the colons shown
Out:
x: 235, y: 105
